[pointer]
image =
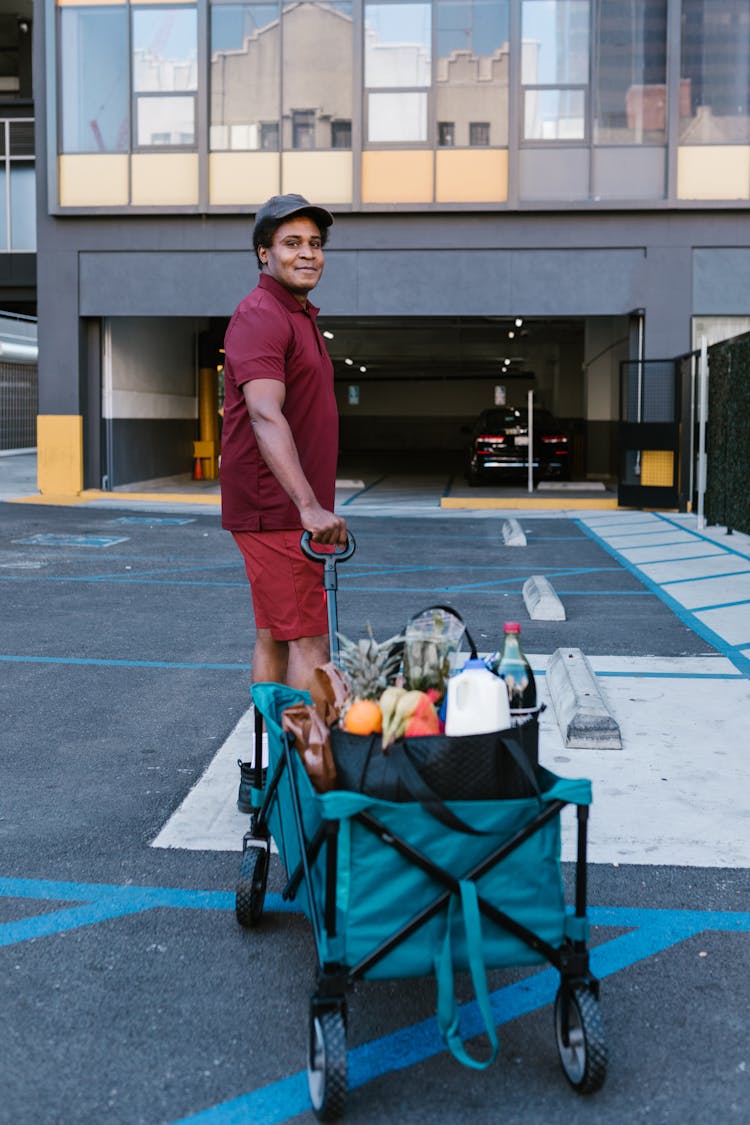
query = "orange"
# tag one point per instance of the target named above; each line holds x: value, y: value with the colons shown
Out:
x: 363, y: 717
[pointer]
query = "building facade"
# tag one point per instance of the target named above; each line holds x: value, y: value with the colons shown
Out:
x: 527, y: 193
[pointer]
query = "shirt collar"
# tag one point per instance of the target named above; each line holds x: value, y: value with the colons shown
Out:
x: 287, y: 299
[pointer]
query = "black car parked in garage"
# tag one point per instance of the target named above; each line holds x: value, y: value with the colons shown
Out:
x: 499, y: 446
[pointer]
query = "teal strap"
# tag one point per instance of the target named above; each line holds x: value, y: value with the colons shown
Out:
x: 447, y: 1009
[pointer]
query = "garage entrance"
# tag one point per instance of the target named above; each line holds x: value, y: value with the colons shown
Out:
x: 409, y: 388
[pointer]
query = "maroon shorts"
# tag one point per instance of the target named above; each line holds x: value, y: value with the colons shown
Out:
x: 287, y: 588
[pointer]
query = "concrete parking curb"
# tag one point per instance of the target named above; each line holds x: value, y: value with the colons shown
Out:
x: 541, y: 600
x: 513, y: 534
x: 582, y: 715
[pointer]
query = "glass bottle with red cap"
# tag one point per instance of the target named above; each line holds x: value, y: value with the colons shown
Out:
x: 513, y: 667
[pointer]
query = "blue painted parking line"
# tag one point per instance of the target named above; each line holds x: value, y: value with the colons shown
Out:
x: 654, y: 932
x: 360, y: 492
x: 705, y: 577
x: 731, y: 652
x: 54, y: 540
x: 8, y: 659
x: 726, y: 548
x: 676, y: 559
x: 152, y: 520
x: 96, y: 902
x: 650, y: 931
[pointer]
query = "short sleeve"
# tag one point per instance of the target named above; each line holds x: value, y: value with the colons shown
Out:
x: 257, y: 342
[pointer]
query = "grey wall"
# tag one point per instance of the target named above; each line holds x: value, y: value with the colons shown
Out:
x: 576, y: 264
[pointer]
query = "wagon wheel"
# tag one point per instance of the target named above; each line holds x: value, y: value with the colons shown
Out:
x: 326, y: 1064
x: 579, y: 1031
x: 251, y: 886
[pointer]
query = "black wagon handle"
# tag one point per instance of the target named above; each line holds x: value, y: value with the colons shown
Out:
x: 338, y: 554
x: 329, y: 559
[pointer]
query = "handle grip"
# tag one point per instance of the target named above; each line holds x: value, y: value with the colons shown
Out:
x: 337, y: 555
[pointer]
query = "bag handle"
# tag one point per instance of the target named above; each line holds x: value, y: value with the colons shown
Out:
x: 447, y: 1008
x: 523, y: 763
x: 418, y: 788
x: 420, y: 791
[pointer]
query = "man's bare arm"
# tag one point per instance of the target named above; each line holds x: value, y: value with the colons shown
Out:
x: 264, y: 399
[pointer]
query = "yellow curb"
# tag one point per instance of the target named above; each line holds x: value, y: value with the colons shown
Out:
x: 48, y: 498
x: 567, y: 503
x: 96, y: 494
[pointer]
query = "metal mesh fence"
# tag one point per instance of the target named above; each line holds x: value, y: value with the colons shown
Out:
x: 19, y: 405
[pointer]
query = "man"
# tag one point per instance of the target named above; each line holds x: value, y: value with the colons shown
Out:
x: 280, y: 441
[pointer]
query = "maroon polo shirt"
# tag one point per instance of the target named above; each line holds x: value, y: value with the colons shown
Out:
x: 271, y: 336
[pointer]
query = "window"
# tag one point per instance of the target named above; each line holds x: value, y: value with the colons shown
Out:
x: 398, y: 58
x: 303, y: 128
x: 318, y: 52
x: 341, y: 134
x: 165, y: 76
x: 17, y: 185
x: 479, y: 133
x: 471, y: 68
x: 446, y: 133
x: 245, y: 76
x: 630, y: 97
x: 715, y: 72
x: 94, y: 90
x: 555, y: 69
x: 269, y: 136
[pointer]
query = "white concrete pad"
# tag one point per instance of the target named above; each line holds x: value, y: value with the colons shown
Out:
x: 208, y: 819
x: 654, y: 537
x: 684, y: 547
x: 678, y: 792
x: 731, y: 622
x: 705, y: 568
x: 694, y: 595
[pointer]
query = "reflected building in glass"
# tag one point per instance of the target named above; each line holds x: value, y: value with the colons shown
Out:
x: 581, y: 163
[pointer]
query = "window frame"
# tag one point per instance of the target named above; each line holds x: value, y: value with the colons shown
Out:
x: 135, y: 95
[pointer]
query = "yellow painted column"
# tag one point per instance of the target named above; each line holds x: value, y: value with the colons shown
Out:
x: 208, y: 422
x: 59, y: 439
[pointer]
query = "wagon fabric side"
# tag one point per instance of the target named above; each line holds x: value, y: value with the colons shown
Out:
x: 378, y: 891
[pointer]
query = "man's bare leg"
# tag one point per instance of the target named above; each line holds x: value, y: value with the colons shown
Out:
x: 270, y: 658
x: 306, y: 654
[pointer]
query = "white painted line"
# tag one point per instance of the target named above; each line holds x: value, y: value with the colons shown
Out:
x: 208, y: 819
x: 678, y: 793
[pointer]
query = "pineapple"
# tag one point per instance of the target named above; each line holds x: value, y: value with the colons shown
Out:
x: 369, y: 666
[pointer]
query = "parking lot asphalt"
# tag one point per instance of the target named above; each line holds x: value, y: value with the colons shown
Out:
x: 133, y: 995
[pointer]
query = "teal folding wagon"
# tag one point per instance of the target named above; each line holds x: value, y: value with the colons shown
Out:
x: 392, y: 892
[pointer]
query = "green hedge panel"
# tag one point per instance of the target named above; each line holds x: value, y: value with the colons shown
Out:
x: 728, y: 435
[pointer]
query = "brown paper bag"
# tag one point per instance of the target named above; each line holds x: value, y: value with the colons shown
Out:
x: 330, y: 692
x: 311, y: 737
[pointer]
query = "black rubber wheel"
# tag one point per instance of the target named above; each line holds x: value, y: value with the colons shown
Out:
x: 581, y: 1045
x: 326, y: 1064
x: 251, y: 886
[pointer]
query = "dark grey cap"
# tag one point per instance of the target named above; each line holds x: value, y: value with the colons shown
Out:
x: 280, y: 207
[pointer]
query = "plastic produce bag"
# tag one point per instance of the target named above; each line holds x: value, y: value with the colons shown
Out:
x: 432, y: 637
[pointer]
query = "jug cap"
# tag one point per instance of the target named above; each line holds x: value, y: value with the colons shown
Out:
x: 474, y: 662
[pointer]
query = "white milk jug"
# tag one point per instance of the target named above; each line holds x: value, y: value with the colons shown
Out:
x: 477, y: 701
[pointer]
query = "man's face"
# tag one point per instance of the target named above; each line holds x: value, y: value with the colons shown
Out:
x: 295, y: 257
